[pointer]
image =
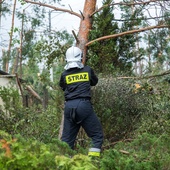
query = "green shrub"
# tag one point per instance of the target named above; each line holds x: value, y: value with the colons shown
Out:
x: 78, y: 162
x: 17, y: 153
x: 139, y: 117
x: 118, y: 106
x: 31, y: 122
x: 11, y: 99
x: 145, y: 152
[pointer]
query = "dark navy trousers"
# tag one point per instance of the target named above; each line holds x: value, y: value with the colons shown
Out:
x: 77, y: 113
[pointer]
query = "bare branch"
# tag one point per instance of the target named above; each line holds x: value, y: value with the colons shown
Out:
x: 147, y: 77
x: 70, y: 7
x: 126, y: 33
x: 126, y: 4
x: 54, y: 8
x: 75, y: 36
x: 7, y: 76
x: 19, y: 85
x: 124, y: 152
x: 82, y: 15
x: 134, y: 19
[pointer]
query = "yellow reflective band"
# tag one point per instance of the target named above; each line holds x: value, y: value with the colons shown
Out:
x: 74, y: 78
x: 94, y: 154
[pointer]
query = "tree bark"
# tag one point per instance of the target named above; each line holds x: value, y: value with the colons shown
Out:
x: 29, y: 88
x: 15, y: 66
x: 85, y: 26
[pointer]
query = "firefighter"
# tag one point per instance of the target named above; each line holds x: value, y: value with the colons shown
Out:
x: 76, y: 82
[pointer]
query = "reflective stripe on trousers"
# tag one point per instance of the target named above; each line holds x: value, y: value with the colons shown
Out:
x: 94, y: 152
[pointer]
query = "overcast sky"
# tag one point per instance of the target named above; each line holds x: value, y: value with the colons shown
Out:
x: 59, y: 20
x: 65, y: 21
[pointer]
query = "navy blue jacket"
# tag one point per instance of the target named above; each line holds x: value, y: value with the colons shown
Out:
x: 76, y: 82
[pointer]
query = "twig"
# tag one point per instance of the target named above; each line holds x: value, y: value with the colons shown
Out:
x: 114, y: 143
x: 53, y: 7
x: 75, y: 37
x: 146, y: 77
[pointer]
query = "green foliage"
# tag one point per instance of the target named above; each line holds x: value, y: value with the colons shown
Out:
x: 116, y: 53
x: 166, y: 18
x: 10, y: 97
x: 105, y: 50
x: 4, y: 9
x: 136, y: 123
x: 124, y: 110
x: 146, y: 151
x: 18, y: 153
x: 160, y: 52
x: 53, y: 49
x: 40, y: 125
x: 31, y: 71
x: 22, y: 2
x: 78, y: 162
x: 33, y: 122
x: 118, y: 106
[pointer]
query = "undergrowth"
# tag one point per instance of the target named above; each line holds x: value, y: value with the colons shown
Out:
x: 147, y: 151
x: 136, y: 125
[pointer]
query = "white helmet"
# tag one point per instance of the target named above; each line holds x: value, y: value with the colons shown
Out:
x: 73, y: 54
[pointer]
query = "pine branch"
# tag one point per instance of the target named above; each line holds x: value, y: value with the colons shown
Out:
x: 126, y: 33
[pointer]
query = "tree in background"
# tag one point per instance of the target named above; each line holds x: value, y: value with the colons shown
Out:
x: 127, y: 28
x: 158, y: 49
x: 129, y: 50
x: 120, y: 52
x: 4, y: 11
x: 103, y: 56
x: 126, y: 112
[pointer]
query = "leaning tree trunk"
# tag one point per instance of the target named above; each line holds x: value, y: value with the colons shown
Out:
x: 85, y: 26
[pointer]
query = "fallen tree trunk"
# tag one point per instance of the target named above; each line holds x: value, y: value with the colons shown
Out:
x: 29, y: 88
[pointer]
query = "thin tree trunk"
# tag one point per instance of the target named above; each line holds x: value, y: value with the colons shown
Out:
x: 149, y: 54
x: 0, y: 11
x: 3, y: 59
x: 21, y: 40
x: 15, y: 66
x: 11, y: 35
x: 45, y: 97
x: 61, y: 127
x: 140, y: 60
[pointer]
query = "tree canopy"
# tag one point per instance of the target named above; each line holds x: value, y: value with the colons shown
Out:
x: 135, y: 20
